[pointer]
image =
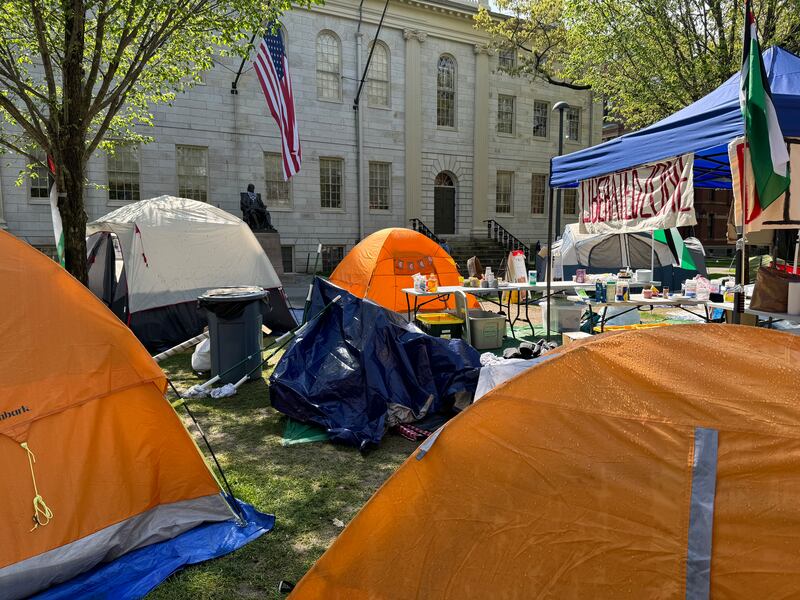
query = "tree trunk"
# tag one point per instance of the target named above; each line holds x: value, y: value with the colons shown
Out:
x: 71, y: 145
x: 73, y: 214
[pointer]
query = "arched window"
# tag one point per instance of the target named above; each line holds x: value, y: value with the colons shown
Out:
x: 444, y: 179
x: 378, y: 77
x: 329, y: 67
x: 446, y: 92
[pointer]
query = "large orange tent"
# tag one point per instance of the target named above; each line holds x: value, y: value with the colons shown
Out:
x: 381, y: 265
x: 661, y: 463
x: 94, y: 460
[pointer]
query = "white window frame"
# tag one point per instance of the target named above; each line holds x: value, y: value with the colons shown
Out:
x: 111, y: 167
x: 510, y: 211
x: 41, y: 182
x: 503, y: 55
x: 194, y: 177
x: 572, y: 110
x: 513, y: 115
x: 388, y: 189
x: 373, y: 83
x: 534, y: 177
x: 270, y: 182
x: 340, y: 161
x: 547, y: 120
x: 337, y: 72
x: 441, y: 89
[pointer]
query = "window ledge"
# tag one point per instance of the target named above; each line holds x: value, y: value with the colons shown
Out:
x: 445, y: 128
x: 38, y: 200
x: 379, y: 107
x: 506, y: 135
x: 332, y: 210
x: 280, y: 209
x: 504, y: 215
x: 380, y: 211
x: 330, y: 100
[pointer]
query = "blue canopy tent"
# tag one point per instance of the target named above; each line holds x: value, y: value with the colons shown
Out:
x: 704, y: 128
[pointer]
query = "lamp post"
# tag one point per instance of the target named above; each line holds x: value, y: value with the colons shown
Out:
x: 560, y: 107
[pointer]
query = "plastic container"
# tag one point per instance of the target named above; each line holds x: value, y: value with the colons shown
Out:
x: 234, y: 327
x: 440, y: 325
x: 486, y: 329
x: 531, y: 277
x: 566, y: 316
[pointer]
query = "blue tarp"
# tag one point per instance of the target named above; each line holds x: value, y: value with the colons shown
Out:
x: 134, y: 574
x: 704, y: 128
x: 356, y: 359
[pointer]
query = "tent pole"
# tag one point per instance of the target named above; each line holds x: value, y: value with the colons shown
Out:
x: 549, y: 251
x: 652, y: 253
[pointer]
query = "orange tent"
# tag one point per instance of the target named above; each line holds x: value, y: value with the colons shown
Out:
x: 382, y: 264
x: 660, y: 463
x: 94, y: 461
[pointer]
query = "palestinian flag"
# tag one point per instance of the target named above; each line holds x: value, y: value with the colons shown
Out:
x: 680, y: 253
x: 58, y: 227
x: 768, y: 153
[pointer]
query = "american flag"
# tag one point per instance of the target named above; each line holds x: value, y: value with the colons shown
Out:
x: 272, y: 69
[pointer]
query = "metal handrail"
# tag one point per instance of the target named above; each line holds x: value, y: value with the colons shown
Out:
x: 495, y: 231
x: 420, y: 227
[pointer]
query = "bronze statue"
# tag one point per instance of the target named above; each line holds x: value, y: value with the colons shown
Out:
x: 254, y: 212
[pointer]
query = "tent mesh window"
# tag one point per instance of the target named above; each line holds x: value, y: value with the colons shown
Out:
x: 330, y: 182
x: 277, y: 190
x: 329, y: 67
x: 380, y: 176
x: 123, y: 175
x: 505, y: 114
x: 541, y: 113
x: 446, y: 92
x: 378, y: 77
x: 573, y: 123
x: 570, y: 201
x: 538, y: 192
x: 505, y: 186
x: 331, y: 257
x: 192, y: 172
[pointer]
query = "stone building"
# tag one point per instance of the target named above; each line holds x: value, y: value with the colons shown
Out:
x: 442, y: 135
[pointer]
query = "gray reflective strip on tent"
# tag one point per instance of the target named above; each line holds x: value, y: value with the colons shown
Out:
x: 426, y: 445
x: 164, y: 522
x: 701, y: 514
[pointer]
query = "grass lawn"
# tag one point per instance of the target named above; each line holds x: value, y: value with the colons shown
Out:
x: 305, y: 486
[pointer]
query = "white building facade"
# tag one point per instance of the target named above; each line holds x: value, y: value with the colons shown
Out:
x: 441, y: 135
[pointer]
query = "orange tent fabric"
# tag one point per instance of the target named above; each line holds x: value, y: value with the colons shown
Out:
x: 106, y: 452
x: 583, y: 478
x: 382, y: 264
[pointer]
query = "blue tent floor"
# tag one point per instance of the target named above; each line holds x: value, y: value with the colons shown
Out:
x: 135, y: 574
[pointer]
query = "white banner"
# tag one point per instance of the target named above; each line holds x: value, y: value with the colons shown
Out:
x: 779, y: 214
x: 656, y: 196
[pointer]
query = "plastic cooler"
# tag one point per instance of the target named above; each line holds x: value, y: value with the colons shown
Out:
x: 234, y: 327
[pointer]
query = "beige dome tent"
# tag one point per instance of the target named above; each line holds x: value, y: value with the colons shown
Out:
x: 150, y: 260
x: 660, y: 463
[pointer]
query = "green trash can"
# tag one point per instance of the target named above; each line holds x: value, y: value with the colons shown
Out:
x: 234, y: 328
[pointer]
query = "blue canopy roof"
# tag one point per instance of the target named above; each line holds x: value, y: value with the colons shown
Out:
x: 704, y: 128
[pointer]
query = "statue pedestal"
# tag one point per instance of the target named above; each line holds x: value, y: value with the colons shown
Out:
x: 271, y: 243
